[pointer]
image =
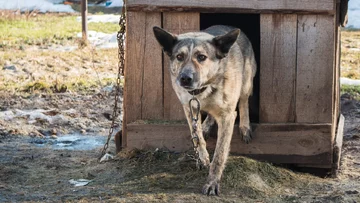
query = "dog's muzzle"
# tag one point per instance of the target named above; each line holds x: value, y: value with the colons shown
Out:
x: 197, y: 91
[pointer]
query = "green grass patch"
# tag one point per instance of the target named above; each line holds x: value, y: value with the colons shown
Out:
x: 353, y: 90
x: 45, y: 29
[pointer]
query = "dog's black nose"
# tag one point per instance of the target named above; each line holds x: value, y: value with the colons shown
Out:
x: 186, y: 79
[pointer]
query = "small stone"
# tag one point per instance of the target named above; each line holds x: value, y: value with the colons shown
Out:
x: 37, y: 134
x: 106, y: 157
x: 10, y: 67
x: 54, y: 137
x: 82, y: 131
x: 352, y: 192
x: 82, y: 126
x: 54, y: 131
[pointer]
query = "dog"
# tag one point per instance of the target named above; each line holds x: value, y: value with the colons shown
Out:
x: 217, y: 66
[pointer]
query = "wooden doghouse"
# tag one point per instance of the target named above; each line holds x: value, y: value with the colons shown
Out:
x: 296, y: 43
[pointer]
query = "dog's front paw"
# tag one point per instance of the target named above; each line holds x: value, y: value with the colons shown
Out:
x: 204, y: 158
x: 245, y: 133
x: 211, y: 188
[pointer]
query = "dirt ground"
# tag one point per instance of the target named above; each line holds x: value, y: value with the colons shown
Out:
x: 34, y: 118
x: 30, y: 173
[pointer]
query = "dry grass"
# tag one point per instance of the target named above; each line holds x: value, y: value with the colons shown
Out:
x: 350, y: 54
x: 81, y: 70
x: 160, y: 174
x: 22, y: 30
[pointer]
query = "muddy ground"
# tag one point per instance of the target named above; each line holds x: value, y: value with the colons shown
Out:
x: 44, y: 132
x: 33, y: 170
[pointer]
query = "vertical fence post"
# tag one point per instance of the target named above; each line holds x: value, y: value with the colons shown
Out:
x: 84, y: 19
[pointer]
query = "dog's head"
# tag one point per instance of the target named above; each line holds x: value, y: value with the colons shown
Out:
x: 195, y: 57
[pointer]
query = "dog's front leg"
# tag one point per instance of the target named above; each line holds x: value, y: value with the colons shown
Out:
x: 201, y: 149
x: 244, y: 125
x: 225, y: 130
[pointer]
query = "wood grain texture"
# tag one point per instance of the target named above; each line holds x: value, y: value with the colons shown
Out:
x: 176, y: 23
x: 143, y: 71
x: 338, y: 143
x: 255, y: 6
x: 277, y: 68
x: 152, y: 96
x: 336, y: 78
x: 315, y: 69
x: 280, y: 143
x: 175, y: 137
x: 134, y: 61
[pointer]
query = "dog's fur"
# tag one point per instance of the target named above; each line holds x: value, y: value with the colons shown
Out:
x: 216, y: 65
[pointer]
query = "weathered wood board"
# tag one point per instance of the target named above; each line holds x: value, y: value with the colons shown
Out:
x: 338, y: 143
x: 315, y: 69
x: 234, y: 6
x: 152, y: 96
x: 175, y: 137
x: 135, y: 42
x: 176, y: 23
x: 278, y: 143
x: 277, y: 68
x: 143, y: 69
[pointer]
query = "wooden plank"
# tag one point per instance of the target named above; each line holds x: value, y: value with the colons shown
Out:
x: 135, y: 43
x: 176, y: 23
x: 174, y: 137
x: 315, y: 62
x: 279, y: 143
x: 144, y: 85
x: 338, y: 145
x: 277, y: 68
x: 152, y: 96
x: 234, y: 6
x: 336, y: 78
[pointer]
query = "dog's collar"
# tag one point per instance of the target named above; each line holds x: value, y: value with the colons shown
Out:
x: 197, y: 91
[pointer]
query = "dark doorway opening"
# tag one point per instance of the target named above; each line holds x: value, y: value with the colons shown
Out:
x: 250, y: 25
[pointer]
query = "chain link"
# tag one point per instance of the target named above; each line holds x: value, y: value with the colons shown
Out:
x: 194, y: 133
x: 121, y: 66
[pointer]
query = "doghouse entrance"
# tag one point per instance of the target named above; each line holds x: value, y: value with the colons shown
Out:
x: 250, y: 25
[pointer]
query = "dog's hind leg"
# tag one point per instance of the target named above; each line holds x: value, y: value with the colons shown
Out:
x: 207, y: 124
x: 203, y: 153
x: 225, y: 131
x: 244, y: 125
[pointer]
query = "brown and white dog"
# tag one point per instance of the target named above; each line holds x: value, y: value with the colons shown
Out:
x: 216, y: 65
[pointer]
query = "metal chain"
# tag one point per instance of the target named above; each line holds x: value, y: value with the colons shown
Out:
x: 121, y: 66
x: 194, y: 133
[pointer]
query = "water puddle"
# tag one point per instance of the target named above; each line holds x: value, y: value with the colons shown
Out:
x: 71, y: 142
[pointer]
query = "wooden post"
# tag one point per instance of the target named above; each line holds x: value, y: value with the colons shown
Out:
x: 84, y: 18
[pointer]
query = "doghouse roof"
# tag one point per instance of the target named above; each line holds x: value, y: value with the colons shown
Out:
x: 235, y: 6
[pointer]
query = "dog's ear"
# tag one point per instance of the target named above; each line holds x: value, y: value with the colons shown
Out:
x: 223, y: 43
x: 165, y: 39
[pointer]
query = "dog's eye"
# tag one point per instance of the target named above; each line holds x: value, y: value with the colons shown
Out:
x: 180, y: 57
x: 201, y: 58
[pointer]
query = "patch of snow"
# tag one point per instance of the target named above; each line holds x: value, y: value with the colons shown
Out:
x: 354, y: 14
x: 55, y: 1
x: 7, y: 115
x: 40, y: 114
x: 101, y: 18
x: 42, y: 6
x: 64, y: 48
x: 101, y: 40
x: 116, y: 3
x: 347, y: 81
x: 79, y: 182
